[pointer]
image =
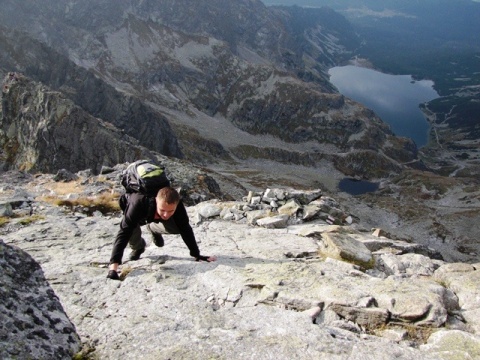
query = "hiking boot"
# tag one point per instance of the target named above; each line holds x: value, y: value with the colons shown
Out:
x: 112, y: 274
x: 135, y: 254
x: 158, y: 240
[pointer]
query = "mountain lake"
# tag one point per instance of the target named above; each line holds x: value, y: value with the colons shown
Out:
x: 394, y: 98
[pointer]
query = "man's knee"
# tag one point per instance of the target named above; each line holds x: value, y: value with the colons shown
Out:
x: 155, y: 228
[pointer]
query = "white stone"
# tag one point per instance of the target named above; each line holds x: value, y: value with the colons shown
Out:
x: 279, y: 221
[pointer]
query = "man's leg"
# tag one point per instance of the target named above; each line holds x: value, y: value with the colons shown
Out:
x: 157, y: 229
x: 137, y: 244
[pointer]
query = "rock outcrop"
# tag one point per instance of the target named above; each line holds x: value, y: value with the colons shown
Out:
x: 98, y: 98
x: 41, y: 130
x: 314, y: 285
x: 33, y: 323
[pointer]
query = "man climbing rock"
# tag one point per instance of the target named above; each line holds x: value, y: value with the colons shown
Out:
x: 164, y: 213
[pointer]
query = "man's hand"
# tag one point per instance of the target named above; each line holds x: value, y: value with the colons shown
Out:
x: 201, y: 258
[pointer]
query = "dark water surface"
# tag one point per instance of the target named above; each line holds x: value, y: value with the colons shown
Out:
x: 357, y: 187
x: 394, y: 98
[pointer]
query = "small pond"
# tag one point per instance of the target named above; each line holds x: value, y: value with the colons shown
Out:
x: 357, y: 187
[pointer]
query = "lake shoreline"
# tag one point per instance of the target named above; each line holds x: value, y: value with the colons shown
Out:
x: 396, y: 99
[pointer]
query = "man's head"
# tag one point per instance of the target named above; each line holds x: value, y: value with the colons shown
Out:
x: 167, y: 200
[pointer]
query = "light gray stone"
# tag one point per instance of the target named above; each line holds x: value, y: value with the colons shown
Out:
x: 463, y: 280
x: 310, y: 212
x: 208, y: 210
x: 410, y: 264
x: 453, y: 344
x: 254, y: 215
x: 304, y: 197
x: 278, y: 222
x: 270, y: 291
x: 364, y: 317
x: 6, y: 209
x: 290, y: 208
x: 396, y: 335
x: 344, y: 247
x: 274, y: 194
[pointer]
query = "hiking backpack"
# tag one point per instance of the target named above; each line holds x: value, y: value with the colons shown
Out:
x: 144, y: 177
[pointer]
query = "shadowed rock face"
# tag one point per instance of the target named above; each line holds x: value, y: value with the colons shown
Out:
x: 33, y: 323
x: 41, y: 130
x: 94, y: 96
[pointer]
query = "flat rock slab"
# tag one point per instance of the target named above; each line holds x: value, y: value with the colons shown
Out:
x: 262, y: 299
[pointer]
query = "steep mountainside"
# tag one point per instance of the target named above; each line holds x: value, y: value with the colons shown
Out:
x: 431, y: 39
x: 233, y: 86
x: 43, y: 131
x: 127, y: 112
x: 142, y: 65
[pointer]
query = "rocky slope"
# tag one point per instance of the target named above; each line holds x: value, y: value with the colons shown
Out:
x: 43, y: 131
x: 96, y: 97
x: 202, y: 82
x: 297, y: 277
x: 221, y: 84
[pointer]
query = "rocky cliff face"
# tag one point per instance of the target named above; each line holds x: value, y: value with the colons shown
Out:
x: 95, y: 96
x: 41, y: 130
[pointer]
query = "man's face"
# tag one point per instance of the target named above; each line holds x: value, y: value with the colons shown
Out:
x: 165, y: 210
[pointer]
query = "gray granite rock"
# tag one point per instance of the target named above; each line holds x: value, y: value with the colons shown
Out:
x: 33, y: 323
x: 271, y: 293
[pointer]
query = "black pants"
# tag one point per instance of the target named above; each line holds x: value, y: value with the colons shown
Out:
x: 137, y: 242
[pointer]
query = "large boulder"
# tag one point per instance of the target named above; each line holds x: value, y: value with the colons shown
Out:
x: 33, y: 323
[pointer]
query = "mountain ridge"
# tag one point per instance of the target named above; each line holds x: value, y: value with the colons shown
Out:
x: 213, y: 95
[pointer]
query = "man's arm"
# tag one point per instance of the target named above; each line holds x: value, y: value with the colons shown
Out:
x: 186, y: 232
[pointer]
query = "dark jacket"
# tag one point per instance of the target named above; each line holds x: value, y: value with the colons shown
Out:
x: 139, y: 210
